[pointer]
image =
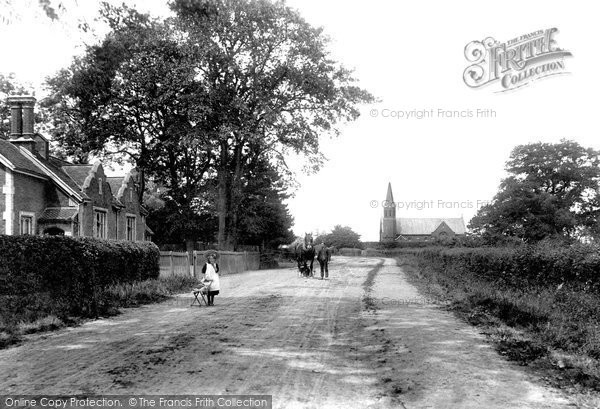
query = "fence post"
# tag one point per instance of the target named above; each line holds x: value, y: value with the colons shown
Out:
x: 171, y: 269
x: 195, y: 255
x: 245, y: 266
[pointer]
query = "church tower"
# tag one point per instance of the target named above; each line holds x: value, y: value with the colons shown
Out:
x: 388, y: 223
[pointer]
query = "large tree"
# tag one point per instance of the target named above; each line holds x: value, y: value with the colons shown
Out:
x: 553, y: 190
x: 272, y: 89
x: 131, y: 98
x: 198, y: 100
x: 265, y: 220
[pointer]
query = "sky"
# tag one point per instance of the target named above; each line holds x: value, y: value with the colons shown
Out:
x: 410, y: 55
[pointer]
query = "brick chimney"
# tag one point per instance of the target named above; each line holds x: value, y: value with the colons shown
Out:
x: 21, y: 121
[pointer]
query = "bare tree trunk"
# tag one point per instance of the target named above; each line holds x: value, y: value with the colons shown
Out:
x: 236, y: 194
x: 222, y: 209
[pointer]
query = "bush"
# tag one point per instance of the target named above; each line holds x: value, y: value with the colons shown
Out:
x: 62, y: 276
x: 268, y: 260
x: 540, y: 264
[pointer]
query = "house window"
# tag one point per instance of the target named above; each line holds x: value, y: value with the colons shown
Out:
x: 131, y: 195
x: 100, y: 186
x: 100, y: 224
x: 26, y: 221
x: 131, y: 228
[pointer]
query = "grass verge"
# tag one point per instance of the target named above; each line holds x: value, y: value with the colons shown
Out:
x: 553, y: 331
x: 39, y: 316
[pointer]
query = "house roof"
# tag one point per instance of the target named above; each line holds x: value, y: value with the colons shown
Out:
x: 17, y: 159
x: 54, y: 165
x: 72, y: 178
x: 53, y: 214
x: 115, y: 183
x: 426, y: 226
x: 78, y: 173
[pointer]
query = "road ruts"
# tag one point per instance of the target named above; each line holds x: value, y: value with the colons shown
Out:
x: 310, y: 343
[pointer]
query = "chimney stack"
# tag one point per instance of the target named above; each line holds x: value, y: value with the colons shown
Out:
x: 21, y: 116
x: 21, y: 121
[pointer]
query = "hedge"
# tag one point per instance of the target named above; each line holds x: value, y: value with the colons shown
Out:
x: 542, y: 264
x: 63, y: 275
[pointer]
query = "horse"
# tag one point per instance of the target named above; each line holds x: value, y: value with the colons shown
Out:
x: 305, y: 252
x: 323, y: 257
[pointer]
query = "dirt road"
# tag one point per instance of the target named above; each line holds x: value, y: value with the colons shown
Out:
x: 363, y: 338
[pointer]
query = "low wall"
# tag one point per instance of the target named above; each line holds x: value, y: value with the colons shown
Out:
x: 230, y: 262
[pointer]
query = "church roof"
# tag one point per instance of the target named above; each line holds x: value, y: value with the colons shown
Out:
x: 426, y: 226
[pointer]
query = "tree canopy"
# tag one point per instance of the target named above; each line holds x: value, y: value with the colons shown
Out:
x: 553, y: 190
x: 206, y: 103
x: 341, y: 236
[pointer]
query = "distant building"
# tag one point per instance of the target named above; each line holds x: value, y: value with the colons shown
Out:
x: 394, y: 228
x: 41, y: 194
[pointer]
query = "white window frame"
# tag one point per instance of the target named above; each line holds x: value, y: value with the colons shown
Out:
x: 27, y: 215
x: 128, y: 217
x: 103, y: 211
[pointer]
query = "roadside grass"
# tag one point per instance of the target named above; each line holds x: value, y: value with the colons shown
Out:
x: 553, y: 330
x: 40, y: 314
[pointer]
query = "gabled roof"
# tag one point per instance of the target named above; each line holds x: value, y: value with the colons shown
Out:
x: 17, y: 160
x: 426, y: 226
x: 78, y: 173
x: 61, y: 179
x: 72, y: 178
x: 118, y: 184
x: 115, y: 183
x: 64, y: 177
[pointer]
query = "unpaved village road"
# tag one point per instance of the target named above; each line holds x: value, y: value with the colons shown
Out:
x: 310, y: 343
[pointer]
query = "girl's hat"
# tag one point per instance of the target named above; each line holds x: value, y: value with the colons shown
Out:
x: 212, y: 253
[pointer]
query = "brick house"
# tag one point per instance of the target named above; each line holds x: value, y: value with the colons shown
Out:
x: 41, y: 194
x: 392, y: 228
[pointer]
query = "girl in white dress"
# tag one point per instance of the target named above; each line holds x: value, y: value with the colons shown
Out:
x: 211, y: 278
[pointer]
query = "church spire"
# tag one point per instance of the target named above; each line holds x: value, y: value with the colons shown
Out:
x: 388, y: 223
x: 389, y: 197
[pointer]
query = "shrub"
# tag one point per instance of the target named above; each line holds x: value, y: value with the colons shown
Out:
x: 540, y: 264
x: 62, y: 276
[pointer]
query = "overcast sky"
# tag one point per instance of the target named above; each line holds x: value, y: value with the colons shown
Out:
x: 410, y: 55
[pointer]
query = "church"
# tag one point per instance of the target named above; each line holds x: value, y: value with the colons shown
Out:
x: 394, y: 228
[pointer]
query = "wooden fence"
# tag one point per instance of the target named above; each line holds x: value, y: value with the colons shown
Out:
x: 230, y: 262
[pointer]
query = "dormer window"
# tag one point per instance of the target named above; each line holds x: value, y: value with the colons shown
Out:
x: 131, y: 195
x: 100, y: 186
